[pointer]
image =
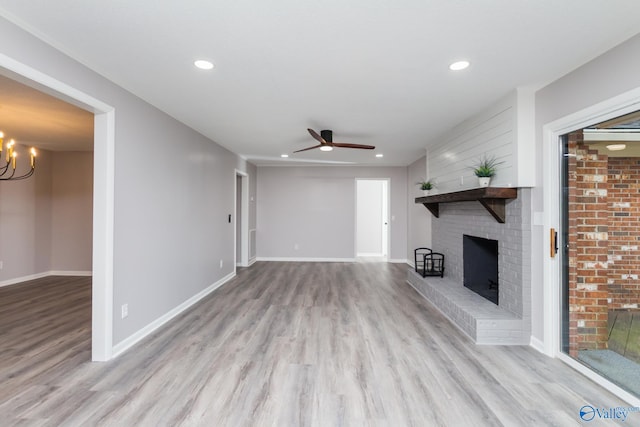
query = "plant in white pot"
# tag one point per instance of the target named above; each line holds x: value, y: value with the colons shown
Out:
x: 426, y: 186
x: 485, y: 169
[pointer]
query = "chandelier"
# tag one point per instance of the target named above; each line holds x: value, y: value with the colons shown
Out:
x: 8, y: 171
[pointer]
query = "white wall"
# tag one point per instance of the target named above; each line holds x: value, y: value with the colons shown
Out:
x: 314, y: 208
x: 418, y: 217
x: 173, y: 191
x: 612, y: 74
x: 492, y: 133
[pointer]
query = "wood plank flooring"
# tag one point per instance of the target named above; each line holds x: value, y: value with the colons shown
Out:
x: 283, y: 344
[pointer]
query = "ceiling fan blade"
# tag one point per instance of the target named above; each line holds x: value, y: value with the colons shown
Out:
x: 316, y: 136
x: 343, y: 145
x: 310, y: 148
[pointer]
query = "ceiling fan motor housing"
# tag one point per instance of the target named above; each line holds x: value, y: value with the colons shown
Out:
x: 327, y: 135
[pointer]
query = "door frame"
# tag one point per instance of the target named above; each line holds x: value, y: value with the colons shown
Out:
x: 244, y: 219
x: 551, y: 181
x: 103, y: 196
x: 388, y: 215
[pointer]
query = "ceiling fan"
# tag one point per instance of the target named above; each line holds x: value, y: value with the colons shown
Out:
x: 326, y: 142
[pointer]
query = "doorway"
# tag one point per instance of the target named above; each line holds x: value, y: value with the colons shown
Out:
x: 103, y: 196
x: 241, y: 217
x: 586, y: 209
x: 601, y: 256
x: 372, y: 219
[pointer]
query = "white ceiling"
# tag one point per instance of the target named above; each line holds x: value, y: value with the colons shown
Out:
x: 374, y: 71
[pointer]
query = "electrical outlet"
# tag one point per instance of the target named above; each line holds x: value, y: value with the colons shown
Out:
x: 296, y: 247
x: 221, y: 263
x: 125, y: 310
x: 462, y: 180
x: 1, y: 265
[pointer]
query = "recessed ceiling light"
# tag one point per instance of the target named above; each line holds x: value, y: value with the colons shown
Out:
x: 460, y: 65
x: 326, y: 148
x: 616, y: 147
x: 284, y: 156
x: 379, y: 155
x: 203, y: 64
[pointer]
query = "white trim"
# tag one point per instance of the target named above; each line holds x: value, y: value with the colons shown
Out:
x: 103, y: 205
x: 103, y: 232
x: 401, y: 261
x: 537, y: 344
x: 17, y: 280
x: 21, y: 279
x: 302, y: 259
x: 252, y: 261
x: 244, y: 219
x: 551, y: 214
x: 600, y: 380
x: 129, y: 342
x: 70, y: 273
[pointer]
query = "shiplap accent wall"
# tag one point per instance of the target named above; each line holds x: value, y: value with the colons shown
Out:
x: 504, y: 131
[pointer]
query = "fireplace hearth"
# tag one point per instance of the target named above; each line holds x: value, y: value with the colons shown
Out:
x: 480, y: 263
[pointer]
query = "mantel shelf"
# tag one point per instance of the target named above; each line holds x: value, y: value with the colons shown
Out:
x: 492, y: 198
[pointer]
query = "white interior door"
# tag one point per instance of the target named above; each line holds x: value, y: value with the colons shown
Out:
x: 372, y: 218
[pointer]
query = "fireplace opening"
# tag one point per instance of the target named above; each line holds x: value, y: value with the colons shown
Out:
x: 480, y: 262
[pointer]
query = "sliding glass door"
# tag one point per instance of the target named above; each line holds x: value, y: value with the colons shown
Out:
x: 600, y: 251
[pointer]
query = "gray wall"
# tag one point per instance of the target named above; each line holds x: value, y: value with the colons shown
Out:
x: 46, y: 220
x: 418, y: 217
x: 72, y: 211
x: 25, y: 220
x: 173, y: 191
x: 615, y: 72
x: 314, y: 207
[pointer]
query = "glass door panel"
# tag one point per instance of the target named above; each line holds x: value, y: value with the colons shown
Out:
x: 600, y: 250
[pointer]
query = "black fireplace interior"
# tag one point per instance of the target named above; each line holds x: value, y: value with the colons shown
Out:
x: 480, y: 259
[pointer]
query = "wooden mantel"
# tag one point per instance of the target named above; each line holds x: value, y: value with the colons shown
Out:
x: 492, y: 198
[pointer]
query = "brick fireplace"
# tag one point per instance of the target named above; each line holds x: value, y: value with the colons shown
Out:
x: 510, y: 321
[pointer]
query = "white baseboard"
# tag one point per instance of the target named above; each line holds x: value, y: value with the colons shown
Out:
x: 129, y: 342
x: 400, y: 261
x: 16, y: 280
x: 70, y: 273
x: 252, y: 261
x: 291, y: 259
x: 35, y: 276
x: 367, y: 254
x: 537, y: 344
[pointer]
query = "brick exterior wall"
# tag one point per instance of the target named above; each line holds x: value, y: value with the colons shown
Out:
x: 624, y: 232
x: 588, y: 247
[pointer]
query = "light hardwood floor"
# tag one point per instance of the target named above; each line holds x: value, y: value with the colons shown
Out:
x: 283, y: 344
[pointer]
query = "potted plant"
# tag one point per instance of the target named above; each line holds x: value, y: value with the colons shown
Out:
x: 426, y: 186
x: 485, y: 169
